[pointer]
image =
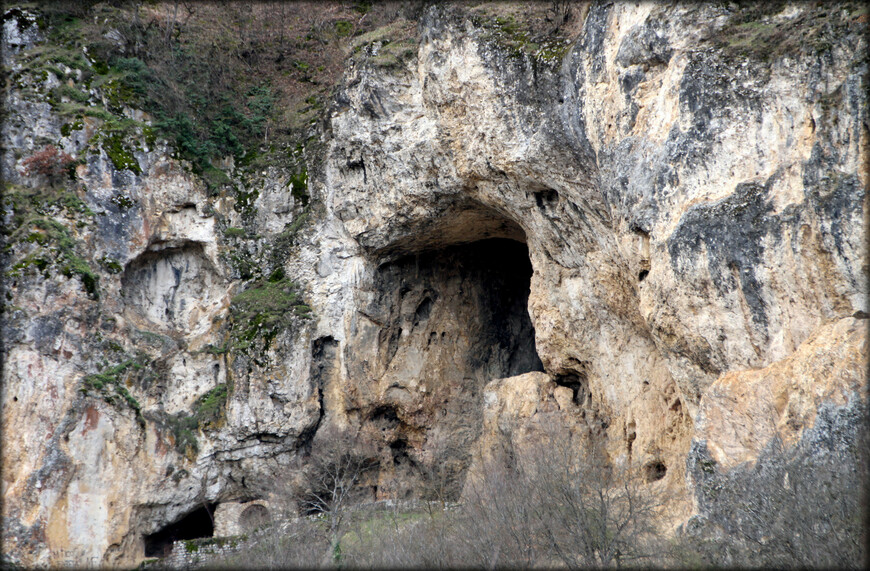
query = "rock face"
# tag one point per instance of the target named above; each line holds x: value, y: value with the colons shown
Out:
x: 648, y: 240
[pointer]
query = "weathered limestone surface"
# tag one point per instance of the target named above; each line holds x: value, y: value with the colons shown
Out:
x: 674, y: 250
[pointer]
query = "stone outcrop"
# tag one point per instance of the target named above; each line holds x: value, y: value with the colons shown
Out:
x: 649, y: 238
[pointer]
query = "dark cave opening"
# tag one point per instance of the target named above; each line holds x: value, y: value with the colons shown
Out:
x: 464, y: 303
x: 442, y: 323
x: 198, y: 523
x: 486, y: 284
x: 654, y: 471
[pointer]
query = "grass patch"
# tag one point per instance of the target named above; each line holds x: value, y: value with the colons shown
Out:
x: 233, y: 232
x: 389, y: 46
x: 208, y: 412
x: 32, y: 223
x: 264, y: 309
x: 110, y: 382
x: 760, y: 30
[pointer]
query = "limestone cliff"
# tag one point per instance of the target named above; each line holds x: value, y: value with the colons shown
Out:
x: 649, y: 232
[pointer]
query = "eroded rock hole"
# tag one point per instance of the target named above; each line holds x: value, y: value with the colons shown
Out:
x: 643, y: 252
x: 546, y: 197
x: 174, y: 288
x: 576, y: 383
x: 654, y: 471
x: 198, y: 523
x: 385, y: 418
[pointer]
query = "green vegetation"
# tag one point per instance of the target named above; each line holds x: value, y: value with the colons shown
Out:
x: 232, y: 232
x: 194, y: 545
x: 109, y: 383
x: 67, y: 128
x: 183, y: 428
x: 299, y: 186
x: 119, y: 154
x: 757, y: 31
x: 215, y: 350
x: 265, y: 308
x: 389, y: 46
x: 208, y: 412
x: 518, y: 35
x: 209, y: 409
x: 32, y: 222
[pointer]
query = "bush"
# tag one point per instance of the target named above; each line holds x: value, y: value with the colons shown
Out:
x: 50, y: 162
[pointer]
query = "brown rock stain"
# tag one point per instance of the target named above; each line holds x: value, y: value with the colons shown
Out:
x: 92, y: 418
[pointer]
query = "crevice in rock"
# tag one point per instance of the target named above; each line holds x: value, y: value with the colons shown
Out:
x: 643, y: 253
x: 196, y: 524
x: 324, y: 357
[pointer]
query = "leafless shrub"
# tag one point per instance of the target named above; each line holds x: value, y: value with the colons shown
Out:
x: 339, y: 463
x: 302, y: 545
x: 550, y: 504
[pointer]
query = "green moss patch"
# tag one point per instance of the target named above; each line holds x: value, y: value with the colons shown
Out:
x: 67, y: 128
x: 208, y: 412
x: 299, y: 186
x: 232, y: 232
x: 120, y: 155
x: 265, y: 308
x: 32, y: 223
x: 110, y: 385
x: 210, y: 408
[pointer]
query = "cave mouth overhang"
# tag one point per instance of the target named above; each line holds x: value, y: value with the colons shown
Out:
x: 462, y: 223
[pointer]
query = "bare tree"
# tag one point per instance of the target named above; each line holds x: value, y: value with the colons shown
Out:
x: 338, y: 465
x: 551, y: 504
x: 799, y: 506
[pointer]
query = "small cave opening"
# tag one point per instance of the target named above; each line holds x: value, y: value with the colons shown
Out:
x: 575, y: 382
x: 643, y: 252
x: 197, y: 524
x: 546, y: 197
x: 654, y: 471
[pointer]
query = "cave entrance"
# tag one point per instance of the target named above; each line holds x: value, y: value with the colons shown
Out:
x: 458, y: 313
x: 440, y: 325
x: 198, y: 523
